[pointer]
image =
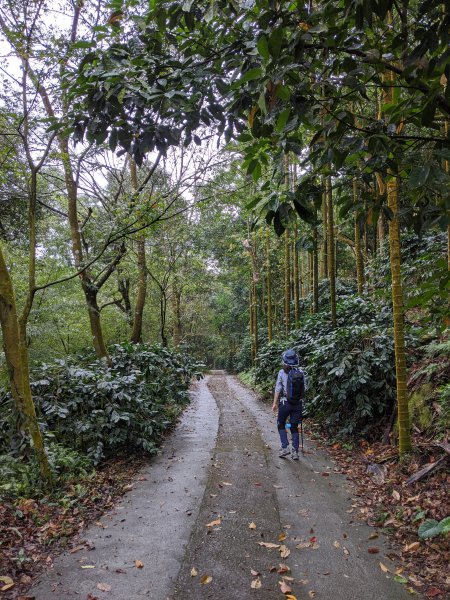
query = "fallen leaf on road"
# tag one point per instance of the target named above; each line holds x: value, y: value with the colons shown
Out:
x: 373, y: 536
x: 373, y: 550
x: 283, y: 569
x: 104, y: 587
x: 384, y: 568
x: 336, y: 544
x: 282, y: 537
x: 252, y: 525
x: 258, y: 484
x: 278, y: 487
x: 99, y: 524
x: 206, y: 579
x: 433, y: 592
x: 8, y: 583
x: 91, y: 597
x: 313, y: 539
x: 290, y: 597
x: 285, y: 588
x: 213, y: 495
x: 284, y: 551
x: 194, y: 572
x: 412, y: 547
x: 303, y: 545
x: 225, y: 483
x: 255, y: 573
x: 346, y: 552
x: 396, y: 495
x: 138, y: 564
x: 214, y: 523
x: 256, y: 584
x: 268, y: 545
x: 325, y: 474
x: 312, y: 594
x: 88, y: 566
x: 76, y: 549
x: 120, y: 571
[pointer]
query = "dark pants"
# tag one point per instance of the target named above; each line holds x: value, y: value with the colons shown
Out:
x: 294, y: 412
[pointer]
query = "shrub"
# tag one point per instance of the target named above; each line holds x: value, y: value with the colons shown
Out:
x: 97, y: 410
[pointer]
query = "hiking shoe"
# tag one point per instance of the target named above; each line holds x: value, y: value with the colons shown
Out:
x: 283, y: 452
x: 295, y: 455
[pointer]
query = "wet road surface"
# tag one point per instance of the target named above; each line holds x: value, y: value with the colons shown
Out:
x: 200, y: 514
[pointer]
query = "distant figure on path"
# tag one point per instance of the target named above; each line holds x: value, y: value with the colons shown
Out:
x: 288, y: 400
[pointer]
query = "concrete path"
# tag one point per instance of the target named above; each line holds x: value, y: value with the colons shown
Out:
x: 200, y: 513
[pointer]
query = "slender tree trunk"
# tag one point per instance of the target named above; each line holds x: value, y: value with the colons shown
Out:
x: 302, y: 274
x: 16, y: 356
x: 176, y: 307
x: 296, y: 280
x: 331, y: 251
x: 136, y: 334
x: 358, y: 252
x: 251, y: 320
x: 287, y: 283
x: 255, y: 316
x: 315, y: 266
x: 162, y: 314
x: 268, y: 287
x: 324, y: 253
x: 397, y: 296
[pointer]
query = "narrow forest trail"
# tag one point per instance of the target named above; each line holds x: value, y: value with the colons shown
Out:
x: 221, y: 465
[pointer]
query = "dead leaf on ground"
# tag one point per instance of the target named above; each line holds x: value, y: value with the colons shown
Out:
x: 433, y: 592
x: 8, y: 583
x: 373, y: 550
x: 225, y: 483
x: 373, y: 536
x: 206, y: 579
x: 88, y: 566
x: 138, y: 564
x: 312, y: 594
x: 346, y: 552
x: 256, y: 584
x: 284, y: 551
x: 91, y: 597
x: 412, y: 547
x: 285, y: 588
x: 76, y: 549
x: 395, y: 495
x: 282, y: 537
x: 255, y: 573
x: 252, y: 525
x: 104, y: 587
x: 336, y: 544
x: 268, y: 545
x: 214, y: 523
x: 290, y: 597
x: 283, y: 569
x: 384, y: 568
x: 194, y: 572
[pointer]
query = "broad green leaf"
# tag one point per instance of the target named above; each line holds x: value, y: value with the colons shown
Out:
x: 263, y: 47
x: 418, y: 176
x: 276, y: 41
x: 283, y: 119
x: 430, y: 528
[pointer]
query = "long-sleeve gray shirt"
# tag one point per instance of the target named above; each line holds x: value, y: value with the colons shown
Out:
x: 281, y: 384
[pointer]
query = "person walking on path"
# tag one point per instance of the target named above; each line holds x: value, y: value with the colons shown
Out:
x: 288, y: 401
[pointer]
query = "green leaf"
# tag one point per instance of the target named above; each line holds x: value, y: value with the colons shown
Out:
x: 418, y: 176
x: 283, y: 119
x: 430, y: 528
x: 276, y: 41
x: 263, y: 47
x: 250, y: 75
x: 445, y: 525
x: 83, y: 44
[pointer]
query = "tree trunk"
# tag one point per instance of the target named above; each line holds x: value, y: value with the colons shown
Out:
x: 136, y: 334
x: 163, y: 313
x: 397, y: 296
x: 324, y: 253
x: 358, y: 252
x: 331, y: 251
x: 268, y: 287
x: 296, y: 280
x: 287, y: 283
x: 16, y: 356
x: 315, y: 266
x: 255, y: 316
x: 176, y: 307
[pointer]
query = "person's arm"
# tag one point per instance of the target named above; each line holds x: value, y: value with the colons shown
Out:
x: 275, y: 400
x: 278, y: 388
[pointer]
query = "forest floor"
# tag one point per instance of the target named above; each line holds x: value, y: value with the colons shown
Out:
x: 218, y: 515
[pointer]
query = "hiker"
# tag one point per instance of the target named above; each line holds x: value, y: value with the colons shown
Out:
x: 288, y: 400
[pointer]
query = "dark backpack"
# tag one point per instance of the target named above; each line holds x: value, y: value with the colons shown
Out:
x: 295, y: 386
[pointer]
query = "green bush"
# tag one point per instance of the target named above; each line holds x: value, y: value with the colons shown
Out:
x: 351, y: 369
x: 98, y: 409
